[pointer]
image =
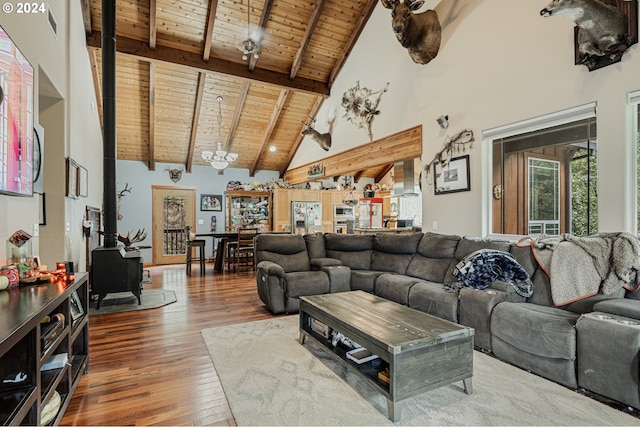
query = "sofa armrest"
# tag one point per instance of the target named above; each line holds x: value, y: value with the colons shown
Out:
x: 508, y: 289
x: 620, y: 306
x: 270, y: 283
x: 476, y: 307
x: 339, y: 277
x: 318, y: 263
x: 271, y: 268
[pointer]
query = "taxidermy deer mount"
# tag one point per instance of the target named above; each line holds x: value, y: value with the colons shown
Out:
x: 121, y: 194
x: 128, y: 240
x: 419, y: 33
x: 602, y: 29
x: 323, y: 139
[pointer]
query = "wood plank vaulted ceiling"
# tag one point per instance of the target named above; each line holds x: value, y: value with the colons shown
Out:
x: 174, y: 57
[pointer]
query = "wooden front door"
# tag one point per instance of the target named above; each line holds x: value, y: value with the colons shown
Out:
x: 173, y: 209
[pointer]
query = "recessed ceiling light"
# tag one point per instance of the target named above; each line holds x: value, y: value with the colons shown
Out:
x: 272, y: 148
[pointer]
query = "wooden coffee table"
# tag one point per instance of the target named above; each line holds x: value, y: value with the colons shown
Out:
x: 422, y: 352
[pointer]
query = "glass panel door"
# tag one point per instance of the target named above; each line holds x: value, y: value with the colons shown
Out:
x: 174, y: 208
x: 544, y: 197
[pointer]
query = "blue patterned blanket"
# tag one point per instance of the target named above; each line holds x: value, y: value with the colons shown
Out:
x: 481, y: 268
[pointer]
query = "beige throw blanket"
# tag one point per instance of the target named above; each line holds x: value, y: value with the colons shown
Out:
x: 579, y: 267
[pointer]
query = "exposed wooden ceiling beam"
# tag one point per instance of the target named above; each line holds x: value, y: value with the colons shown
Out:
x: 266, y: 11
x: 403, y: 145
x: 383, y: 173
x: 86, y: 15
x: 152, y: 24
x: 97, y: 86
x: 152, y: 116
x: 311, y: 26
x: 357, y: 176
x: 202, y: 77
x: 142, y: 51
x: 208, y: 35
x: 355, y: 34
x: 275, y: 115
x: 298, y: 141
x: 236, y: 116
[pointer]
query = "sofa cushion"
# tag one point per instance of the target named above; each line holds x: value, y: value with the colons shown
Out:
x: 541, y: 289
x: 467, y: 245
x: 352, y: 249
x: 393, y: 252
x: 364, y: 280
x: 544, y: 331
x: 289, y: 251
x: 394, y: 263
x: 621, y: 306
x: 315, y: 245
x: 430, y: 269
x: 586, y: 305
x: 632, y: 295
x: 395, y: 287
x: 302, y: 283
x: 524, y: 256
x: 431, y: 298
x: 356, y: 260
x: 434, y: 245
x: 348, y: 242
x: 397, y: 243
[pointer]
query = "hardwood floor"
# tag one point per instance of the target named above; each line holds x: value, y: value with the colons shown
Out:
x: 151, y: 367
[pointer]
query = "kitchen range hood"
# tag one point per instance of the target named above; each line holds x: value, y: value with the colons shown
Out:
x: 404, y: 178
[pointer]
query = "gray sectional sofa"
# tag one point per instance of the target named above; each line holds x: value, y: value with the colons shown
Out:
x: 591, y: 343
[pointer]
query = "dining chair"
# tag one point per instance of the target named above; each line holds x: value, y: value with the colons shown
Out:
x: 192, y: 244
x: 245, y: 249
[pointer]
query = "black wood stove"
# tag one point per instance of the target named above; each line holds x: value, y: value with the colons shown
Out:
x: 112, y: 268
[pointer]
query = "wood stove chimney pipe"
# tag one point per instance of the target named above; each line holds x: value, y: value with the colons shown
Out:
x: 109, y: 122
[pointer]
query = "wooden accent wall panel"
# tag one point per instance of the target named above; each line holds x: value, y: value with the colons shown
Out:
x: 404, y: 145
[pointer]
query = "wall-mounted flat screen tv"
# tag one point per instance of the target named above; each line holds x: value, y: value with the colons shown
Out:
x: 16, y: 119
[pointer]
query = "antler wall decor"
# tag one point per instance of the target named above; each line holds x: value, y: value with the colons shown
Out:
x: 459, y: 144
x: 361, y: 105
x: 121, y: 194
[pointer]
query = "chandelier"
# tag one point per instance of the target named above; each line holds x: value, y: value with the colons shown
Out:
x: 221, y: 158
x: 249, y: 46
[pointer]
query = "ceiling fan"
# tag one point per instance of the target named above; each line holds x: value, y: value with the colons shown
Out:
x: 249, y: 46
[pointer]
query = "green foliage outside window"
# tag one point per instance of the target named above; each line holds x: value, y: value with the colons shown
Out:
x: 584, y: 195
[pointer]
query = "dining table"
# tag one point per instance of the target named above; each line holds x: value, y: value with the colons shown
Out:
x: 226, y: 237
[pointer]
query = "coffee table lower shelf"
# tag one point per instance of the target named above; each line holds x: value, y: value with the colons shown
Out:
x: 412, y: 371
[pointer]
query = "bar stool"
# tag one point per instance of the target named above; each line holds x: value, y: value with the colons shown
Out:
x: 232, y: 254
x: 191, y: 245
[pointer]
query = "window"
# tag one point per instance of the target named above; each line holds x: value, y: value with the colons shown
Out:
x: 544, y: 175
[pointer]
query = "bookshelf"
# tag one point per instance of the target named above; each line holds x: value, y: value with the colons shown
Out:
x: 27, y: 344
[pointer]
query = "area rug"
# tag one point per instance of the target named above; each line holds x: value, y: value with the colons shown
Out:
x: 119, y: 302
x: 270, y: 379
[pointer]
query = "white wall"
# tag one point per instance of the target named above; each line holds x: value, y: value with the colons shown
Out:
x: 500, y: 62
x: 136, y: 206
x: 71, y: 129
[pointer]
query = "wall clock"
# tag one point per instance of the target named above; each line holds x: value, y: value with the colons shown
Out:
x: 37, y: 156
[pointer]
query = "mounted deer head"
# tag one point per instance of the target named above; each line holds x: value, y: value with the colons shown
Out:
x: 602, y: 29
x: 175, y: 174
x: 419, y: 33
x: 323, y: 139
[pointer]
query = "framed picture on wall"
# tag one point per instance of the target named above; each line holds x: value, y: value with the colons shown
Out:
x: 72, y: 178
x: 42, y: 211
x: 453, y: 177
x: 211, y: 202
x: 83, y: 182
